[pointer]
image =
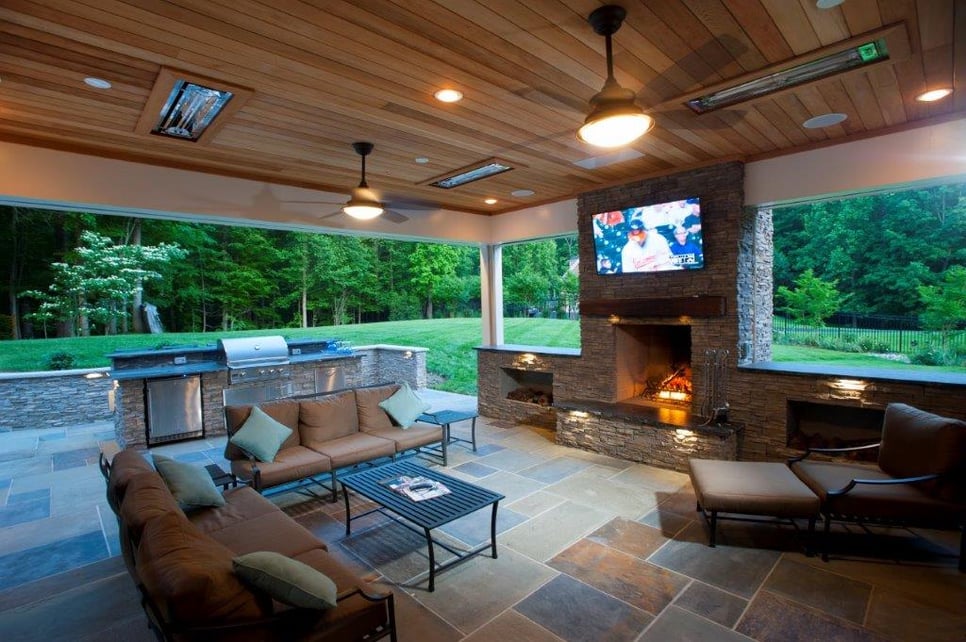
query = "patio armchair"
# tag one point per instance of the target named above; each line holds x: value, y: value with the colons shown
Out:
x: 917, y: 481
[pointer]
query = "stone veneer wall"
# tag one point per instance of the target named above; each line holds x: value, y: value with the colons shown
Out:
x: 55, y: 399
x: 491, y: 400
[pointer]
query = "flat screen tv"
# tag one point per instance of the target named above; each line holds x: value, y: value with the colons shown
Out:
x: 649, y: 238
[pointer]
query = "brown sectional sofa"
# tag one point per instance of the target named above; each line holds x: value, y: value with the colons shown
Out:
x: 182, y: 566
x: 329, y: 432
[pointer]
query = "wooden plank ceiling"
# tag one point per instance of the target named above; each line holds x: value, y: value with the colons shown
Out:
x: 325, y: 73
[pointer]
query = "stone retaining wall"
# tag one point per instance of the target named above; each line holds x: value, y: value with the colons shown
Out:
x: 55, y: 399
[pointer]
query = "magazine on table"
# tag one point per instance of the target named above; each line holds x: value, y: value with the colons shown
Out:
x: 416, y: 488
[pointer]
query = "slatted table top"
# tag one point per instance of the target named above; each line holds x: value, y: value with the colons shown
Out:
x: 463, y: 498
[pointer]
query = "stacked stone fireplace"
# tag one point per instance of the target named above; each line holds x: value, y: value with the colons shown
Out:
x: 638, y: 329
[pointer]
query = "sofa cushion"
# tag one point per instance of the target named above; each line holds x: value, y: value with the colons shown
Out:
x: 191, y: 485
x: 146, y: 498
x: 371, y: 416
x: 241, y: 504
x: 125, y: 465
x: 285, y: 412
x: 330, y: 417
x: 286, y: 580
x: 355, y: 449
x: 269, y: 532
x: 416, y: 436
x: 404, y: 406
x: 290, y: 464
x: 189, y: 576
x: 916, y: 442
x: 261, y: 436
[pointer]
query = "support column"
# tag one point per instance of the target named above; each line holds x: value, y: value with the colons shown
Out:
x: 491, y: 293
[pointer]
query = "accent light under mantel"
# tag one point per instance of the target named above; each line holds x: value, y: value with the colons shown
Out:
x: 614, y: 119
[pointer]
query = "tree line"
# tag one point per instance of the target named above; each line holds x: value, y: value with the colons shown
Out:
x: 73, y: 273
x: 896, y: 253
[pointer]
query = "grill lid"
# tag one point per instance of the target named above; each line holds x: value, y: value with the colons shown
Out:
x: 245, y: 352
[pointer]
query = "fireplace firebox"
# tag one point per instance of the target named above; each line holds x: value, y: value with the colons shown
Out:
x: 653, y: 364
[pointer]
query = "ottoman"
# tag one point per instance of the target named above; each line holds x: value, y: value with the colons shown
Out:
x: 750, y: 488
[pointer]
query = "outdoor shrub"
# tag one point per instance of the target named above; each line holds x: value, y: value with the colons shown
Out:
x: 929, y: 357
x: 60, y: 361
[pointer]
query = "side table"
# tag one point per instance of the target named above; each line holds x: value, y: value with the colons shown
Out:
x: 220, y: 477
x: 446, y: 418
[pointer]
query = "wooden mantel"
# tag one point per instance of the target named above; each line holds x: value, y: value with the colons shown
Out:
x: 690, y: 306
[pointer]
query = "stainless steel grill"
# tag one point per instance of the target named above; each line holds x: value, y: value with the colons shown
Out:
x: 255, y: 358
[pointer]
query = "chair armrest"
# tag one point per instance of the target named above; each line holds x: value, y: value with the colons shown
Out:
x: 833, y: 451
x: 881, y: 482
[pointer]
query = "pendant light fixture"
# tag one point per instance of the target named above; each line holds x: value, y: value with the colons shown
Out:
x: 363, y: 204
x: 614, y: 119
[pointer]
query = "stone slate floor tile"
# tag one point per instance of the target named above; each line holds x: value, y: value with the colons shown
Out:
x: 669, y: 523
x: 31, y: 564
x: 554, y: 470
x: 915, y: 617
x: 74, y: 458
x: 711, y: 603
x: 736, y: 570
x: 679, y: 625
x: 563, y: 606
x: 773, y: 618
x: 474, y: 529
x: 628, y: 578
x: 19, y: 498
x: 25, y: 511
x: 475, y: 469
x: 511, y: 626
x: 482, y: 450
x: 827, y: 592
x: 630, y: 537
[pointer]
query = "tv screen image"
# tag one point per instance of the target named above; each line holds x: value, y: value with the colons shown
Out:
x: 650, y: 238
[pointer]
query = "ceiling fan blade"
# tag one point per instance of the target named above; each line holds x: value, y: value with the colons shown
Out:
x: 394, y: 216
x: 332, y: 215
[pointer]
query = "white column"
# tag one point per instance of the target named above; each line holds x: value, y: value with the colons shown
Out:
x: 491, y: 293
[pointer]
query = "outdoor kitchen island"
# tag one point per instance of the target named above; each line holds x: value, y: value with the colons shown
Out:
x: 174, y: 393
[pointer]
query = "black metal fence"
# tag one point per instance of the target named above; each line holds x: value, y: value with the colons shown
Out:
x: 873, y: 333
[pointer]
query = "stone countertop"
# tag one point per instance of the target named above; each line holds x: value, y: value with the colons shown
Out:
x: 200, y: 367
x: 896, y: 375
x: 547, y: 350
x: 667, y: 418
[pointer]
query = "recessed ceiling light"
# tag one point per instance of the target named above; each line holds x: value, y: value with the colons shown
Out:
x: 824, y: 120
x: 934, y: 94
x: 520, y: 193
x: 491, y: 201
x: 422, y: 160
x: 97, y: 83
x: 448, y: 95
x: 828, y: 4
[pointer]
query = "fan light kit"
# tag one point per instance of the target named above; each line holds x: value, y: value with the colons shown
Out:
x: 363, y: 204
x: 614, y: 119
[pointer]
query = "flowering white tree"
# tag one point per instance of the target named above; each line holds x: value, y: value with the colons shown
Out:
x: 97, y: 283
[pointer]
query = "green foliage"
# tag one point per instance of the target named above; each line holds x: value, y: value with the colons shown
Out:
x: 945, y: 304
x: 812, y: 301
x: 431, y: 265
x: 931, y: 357
x: 60, y: 361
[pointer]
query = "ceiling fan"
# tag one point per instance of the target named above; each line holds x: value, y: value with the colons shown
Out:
x: 364, y: 203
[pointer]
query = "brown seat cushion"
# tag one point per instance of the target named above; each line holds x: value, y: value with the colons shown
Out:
x: 356, y: 448
x: 916, y: 442
x: 413, y: 437
x: 291, y: 464
x: 269, y: 532
x: 752, y: 488
x: 330, y: 417
x: 900, y: 501
x: 147, y: 497
x: 372, y: 418
x: 241, y: 504
x: 189, y: 575
x: 284, y: 412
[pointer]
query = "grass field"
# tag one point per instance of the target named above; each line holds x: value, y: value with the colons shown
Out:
x: 451, y: 361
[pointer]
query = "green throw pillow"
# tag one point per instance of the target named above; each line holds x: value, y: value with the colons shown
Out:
x: 190, y: 485
x: 261, y: 436
x: 286, y: 580
x: 404, y: 406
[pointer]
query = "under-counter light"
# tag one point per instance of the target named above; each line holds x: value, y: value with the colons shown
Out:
x: 490, y: 201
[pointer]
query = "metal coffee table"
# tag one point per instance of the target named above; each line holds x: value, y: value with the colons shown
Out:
x: 463, y: 499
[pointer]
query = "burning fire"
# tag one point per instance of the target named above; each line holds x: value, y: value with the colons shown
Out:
x: 675, y: 387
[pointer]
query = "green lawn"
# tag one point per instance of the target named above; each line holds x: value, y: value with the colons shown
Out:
x: 451, y: 361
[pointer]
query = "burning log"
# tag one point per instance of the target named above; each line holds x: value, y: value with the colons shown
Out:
x: 531, y: 395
